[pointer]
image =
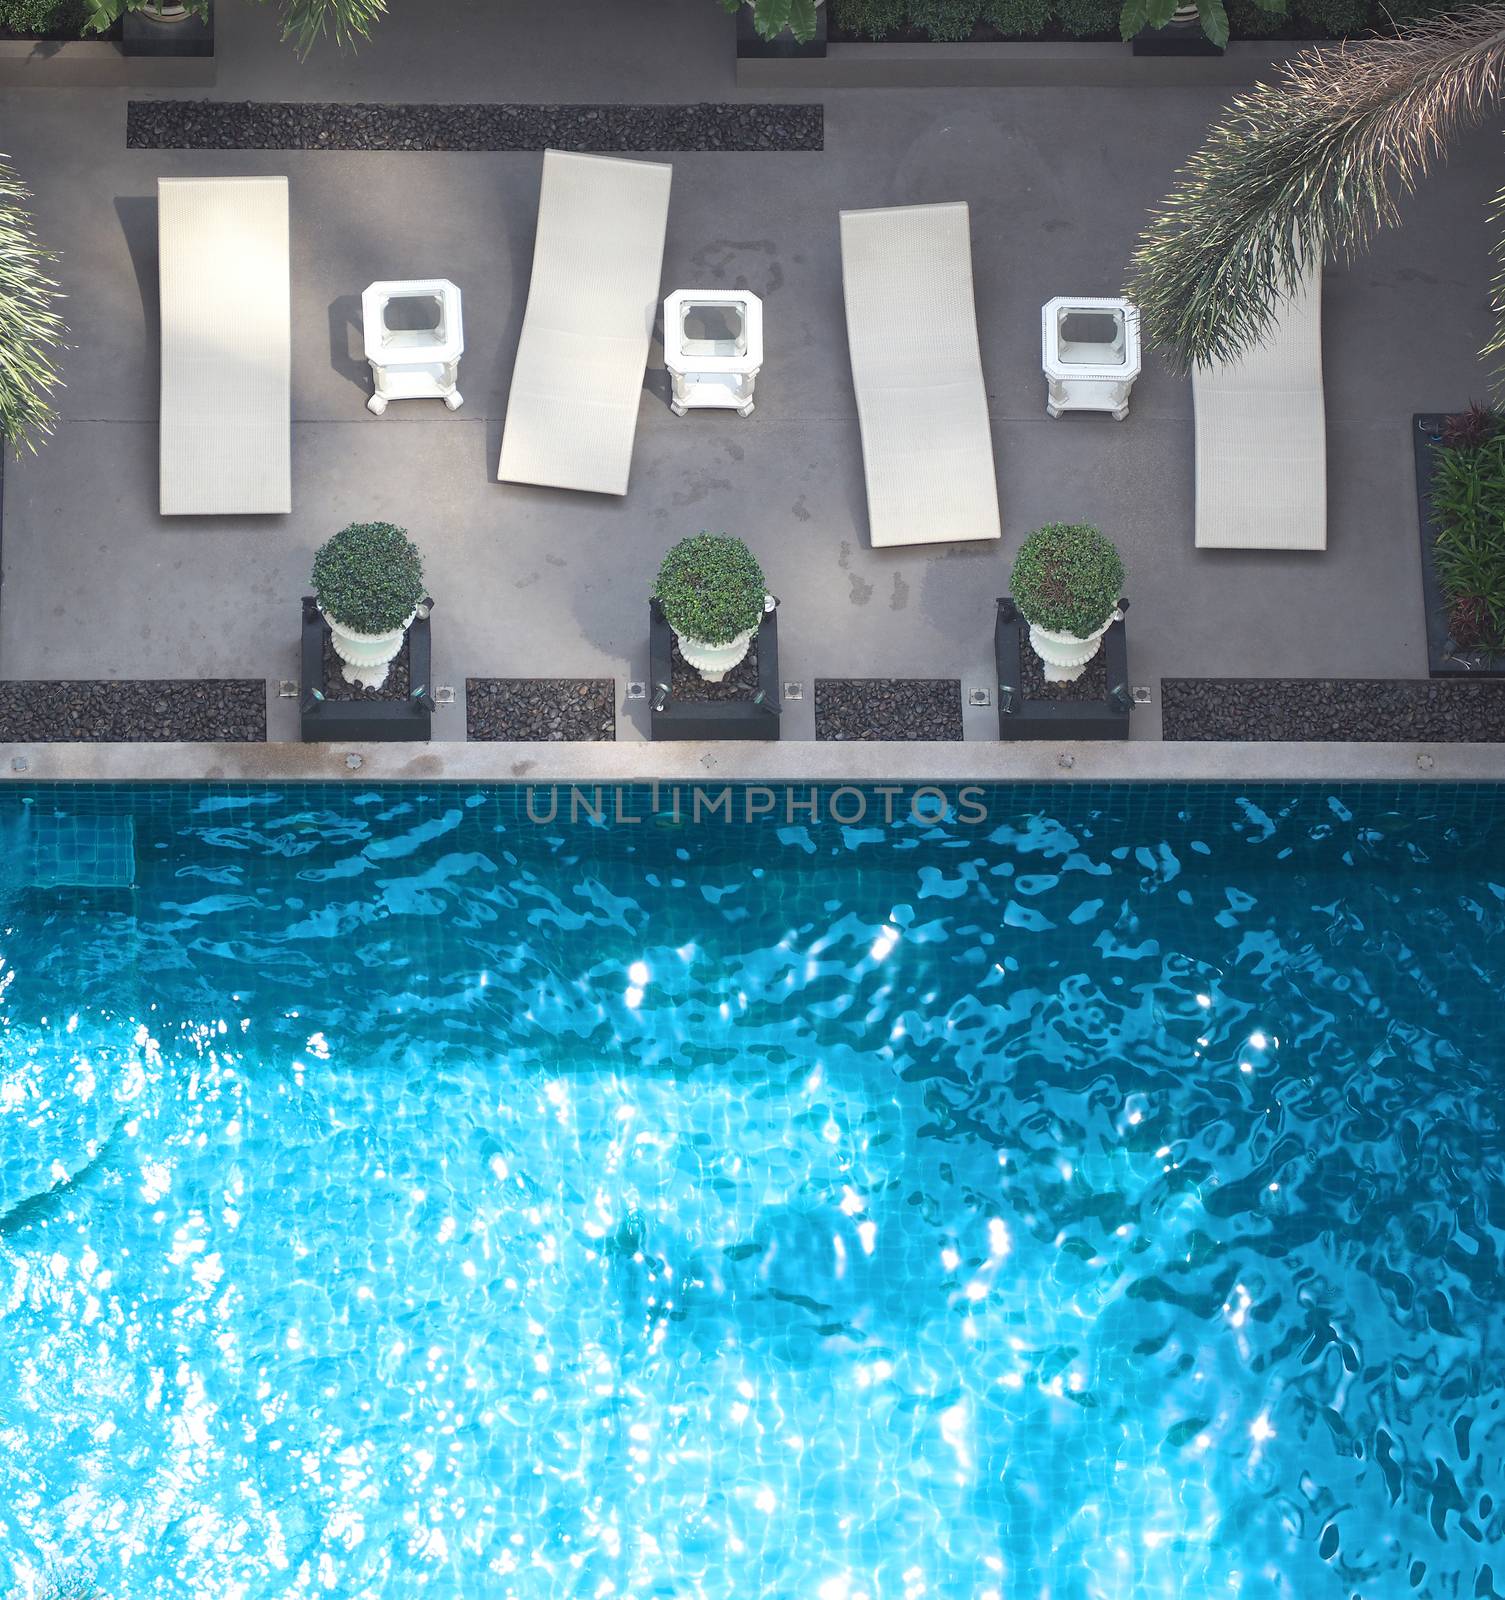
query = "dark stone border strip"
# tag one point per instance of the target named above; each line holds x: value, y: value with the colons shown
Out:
x: 888, y: 708
x: 1361, y: 710
x: 292, y: 125
x: 134, y: 711
x: 557, y: 709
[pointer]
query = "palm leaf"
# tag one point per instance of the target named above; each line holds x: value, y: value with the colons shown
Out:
x: 1309, y: 166
x: 1214, y: 21
x: 31, y: 330
x: 802, y: 19
x: 771, y: 17
x: 346, y: 21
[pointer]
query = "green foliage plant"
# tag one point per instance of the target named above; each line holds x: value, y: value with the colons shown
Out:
x: 771, y: 17
x: 369, y: 577
x: 711, y: 588
x: 945, y: 21
x: 41, y: 17
x: 1340, y: 18
x: 1083, y: 19
x: 1023, y: 19
x: 1067, y: 578
x: 1468, y: 512
x: 870, y: 19
x: 304, y: 22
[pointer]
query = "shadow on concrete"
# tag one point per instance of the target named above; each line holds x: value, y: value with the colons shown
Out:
x: 138, y: 222
x: 347, y: 341
x: 519, y: 252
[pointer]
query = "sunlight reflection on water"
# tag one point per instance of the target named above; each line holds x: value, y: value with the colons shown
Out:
x: 431, y: 1202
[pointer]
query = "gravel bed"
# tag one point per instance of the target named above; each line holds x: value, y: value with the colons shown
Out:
x: 336, y: 686
x: 741, y: 683
x: 292, y: 125
x: 1362, y: 709
x: 1092, y: 685
x: 888, y: 708
x: 139, y: 711
x: 579, y: 709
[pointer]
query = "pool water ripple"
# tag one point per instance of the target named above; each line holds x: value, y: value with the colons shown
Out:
x: 1104, y: 1202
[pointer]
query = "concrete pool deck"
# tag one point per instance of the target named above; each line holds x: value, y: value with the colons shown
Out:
x: 539, y: 583
x: 794, y: 763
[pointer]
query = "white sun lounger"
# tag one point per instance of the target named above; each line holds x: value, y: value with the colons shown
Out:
x: 573, y: 409
x: 1262, y: 438
x: 927, y: 449
x: 226, y: 425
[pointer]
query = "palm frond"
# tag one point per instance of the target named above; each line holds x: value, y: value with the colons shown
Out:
x: 31, y: 330
x: 1495, y: 349
x: 1311, y: 165
x: 346, y: 21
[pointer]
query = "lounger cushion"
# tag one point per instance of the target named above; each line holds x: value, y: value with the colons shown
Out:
x: 573, y: 409
x: 1262, y: 439
x: 226, y: 415
x: 927, y: 447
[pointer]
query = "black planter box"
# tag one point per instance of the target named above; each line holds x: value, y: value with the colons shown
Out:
x: 1019, y: 718
x: 1175, y: 39
x: 712, y: 719
x: 1443, y: 661
x: 192, y: 36
x: 325, y: 721
x: 751, y: 46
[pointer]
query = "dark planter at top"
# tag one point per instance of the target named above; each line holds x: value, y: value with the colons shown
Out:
x: 1176, y: 38
x: 784, y: 46
x: 329, y: 711
x: 141, y: 34
x: 694, y: 717
x: 1020, y: 717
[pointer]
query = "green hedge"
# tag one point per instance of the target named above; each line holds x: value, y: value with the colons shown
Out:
x: 949, y: 20
x: 1468, y: 506
x: 43, y: 16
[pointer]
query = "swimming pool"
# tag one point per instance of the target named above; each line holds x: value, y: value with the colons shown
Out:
x: 417, y: 1191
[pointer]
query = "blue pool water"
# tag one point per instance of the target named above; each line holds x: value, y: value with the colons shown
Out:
x: 1097, y: 1198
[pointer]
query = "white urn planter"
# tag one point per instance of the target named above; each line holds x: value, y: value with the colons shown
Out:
x: 714, y: 661
x: 1066, y: 654
x: 366, y: 656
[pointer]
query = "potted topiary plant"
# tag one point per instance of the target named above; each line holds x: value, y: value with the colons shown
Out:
x: 368, y: 581
x: 1067, y: 581
x: 713, y: 596
x: 156, y: 27
x: 779, y: 27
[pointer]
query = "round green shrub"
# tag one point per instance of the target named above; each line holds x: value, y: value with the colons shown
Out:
x: 369, y: 577
x: 1024, y: 18
x: 711, y: 588
x: 944, y: 21
x: 1084, y: 18
x: 870, y: 19
x: 1067, y: 578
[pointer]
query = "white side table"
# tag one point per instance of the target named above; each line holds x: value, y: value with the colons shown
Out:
x: 414, y: 363
x: 713, y: 348
x: 1089, y: 348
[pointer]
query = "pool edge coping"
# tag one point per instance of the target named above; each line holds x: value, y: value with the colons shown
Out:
x: 806, y: 761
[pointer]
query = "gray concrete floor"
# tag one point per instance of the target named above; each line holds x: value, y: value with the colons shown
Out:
x: 533, y: 582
